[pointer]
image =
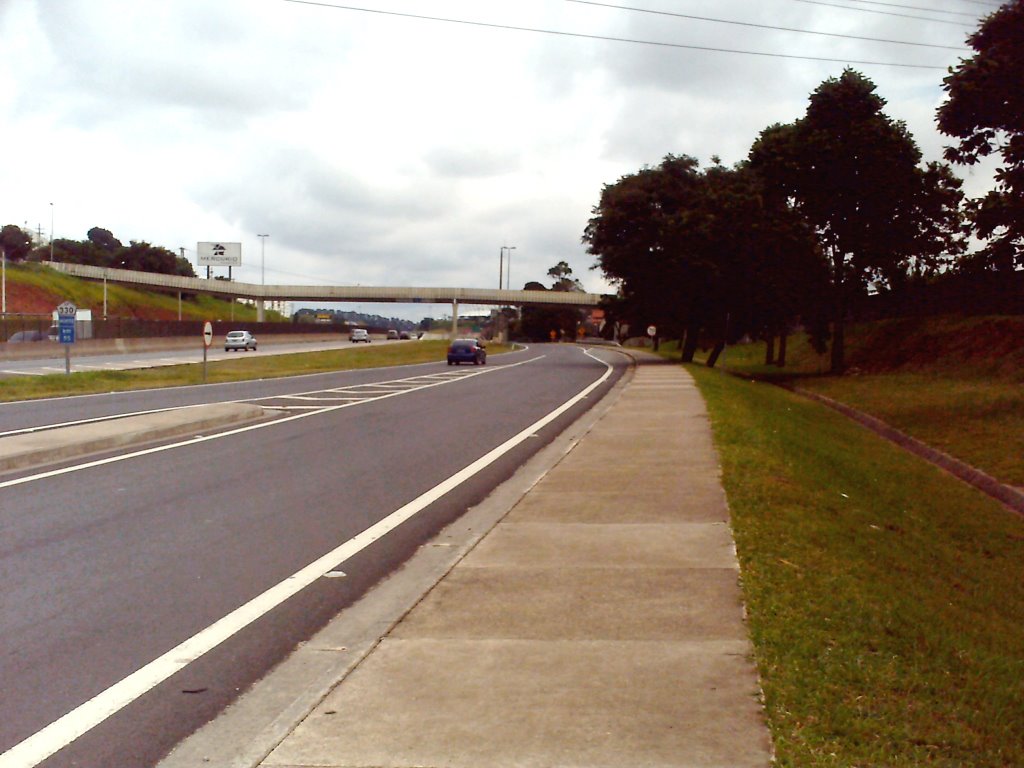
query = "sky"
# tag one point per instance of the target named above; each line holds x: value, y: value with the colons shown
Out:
x: 375, y: 148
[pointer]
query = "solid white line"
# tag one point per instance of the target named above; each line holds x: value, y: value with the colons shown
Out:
x: 83, y: 718
x: 56, y: 425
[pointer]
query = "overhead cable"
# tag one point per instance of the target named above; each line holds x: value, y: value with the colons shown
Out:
x: 765, y: 26
x: 884, y: 13
x: 607, y: 38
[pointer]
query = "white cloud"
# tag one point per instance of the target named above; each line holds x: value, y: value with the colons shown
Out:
x: 381, y: 149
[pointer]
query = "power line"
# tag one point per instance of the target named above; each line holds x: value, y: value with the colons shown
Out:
x: 607, y: 38
x: 884, y: 13
x: 914, y: 8
x: 765, y: 26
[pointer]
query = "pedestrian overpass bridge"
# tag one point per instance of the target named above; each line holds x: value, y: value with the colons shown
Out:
x: 260, y: 293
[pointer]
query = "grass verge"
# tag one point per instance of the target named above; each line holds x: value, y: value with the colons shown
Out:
x: 241, y: 368
x: 956, y: 384
x: 885, y: 598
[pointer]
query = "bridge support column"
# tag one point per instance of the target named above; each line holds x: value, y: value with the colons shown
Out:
x: 259, y: 311
x: 455, y: 318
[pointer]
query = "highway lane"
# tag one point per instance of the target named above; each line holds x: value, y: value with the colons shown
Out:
x: 121, y: 361
x: 24, y: 415
x: 108, y: 568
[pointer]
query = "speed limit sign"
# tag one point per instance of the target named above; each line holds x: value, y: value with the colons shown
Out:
x: 208, y: 334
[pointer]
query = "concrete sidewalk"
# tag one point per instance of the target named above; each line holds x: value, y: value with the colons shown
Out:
x: 598, y: 624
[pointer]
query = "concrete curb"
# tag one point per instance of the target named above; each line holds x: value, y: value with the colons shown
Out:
x: 53, y: 445
x: 1006, y: 494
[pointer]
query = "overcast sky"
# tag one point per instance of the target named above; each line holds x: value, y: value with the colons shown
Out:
x: 379, y: 149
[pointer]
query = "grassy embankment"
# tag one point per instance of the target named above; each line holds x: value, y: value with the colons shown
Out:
x: 34, y: 289
x: 242, y: 368
x: 885, y: 598
x: 954, y: 383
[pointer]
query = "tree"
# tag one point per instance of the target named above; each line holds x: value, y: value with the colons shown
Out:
x: 634, y: 233
x: 15, y: 242
x: 104, y: 240
x: 702, y: 253
x: 985, y: 111
x: 536, y: 323
x: 853, y: 173
x: 143, y: 257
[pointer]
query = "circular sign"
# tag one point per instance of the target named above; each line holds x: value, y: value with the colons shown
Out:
x: 652, y: 331
x: 208, y: 334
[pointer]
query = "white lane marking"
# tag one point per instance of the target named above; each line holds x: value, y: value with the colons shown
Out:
x: 219, y: 384
x: 83, y: 718
x: 44, y: 427
x: 24, y: 373
x: 219, y: 435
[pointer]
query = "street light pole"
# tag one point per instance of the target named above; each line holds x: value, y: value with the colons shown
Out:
x: 263, y: 261
x: 508, y: 272
x: 51, y: 231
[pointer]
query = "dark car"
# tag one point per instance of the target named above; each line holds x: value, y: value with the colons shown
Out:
x: 467, y: 351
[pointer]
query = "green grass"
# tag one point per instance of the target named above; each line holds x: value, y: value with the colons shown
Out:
x: 885, y: 598
x: 978, y: 421
x: 954, y: 383
x: 122, y: 300
x: 237, y: 369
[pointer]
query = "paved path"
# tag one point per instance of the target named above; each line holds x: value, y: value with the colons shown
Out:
x: 598, y: 624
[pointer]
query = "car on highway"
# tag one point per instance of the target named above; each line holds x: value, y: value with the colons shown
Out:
x: 22, y: 336
x: 243, y: 340
x: 404, y: 335
x: 359, y: 334
x: 393, y: 334
x: 467, y: 351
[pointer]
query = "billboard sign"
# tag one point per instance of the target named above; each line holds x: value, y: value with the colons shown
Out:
x: 219, y: 254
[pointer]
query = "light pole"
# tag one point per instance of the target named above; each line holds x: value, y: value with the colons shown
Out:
x: 263, y: 261
x: 508, y: 272
x: 51, y: 231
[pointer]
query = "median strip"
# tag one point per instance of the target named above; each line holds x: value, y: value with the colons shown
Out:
x: 52, y: 445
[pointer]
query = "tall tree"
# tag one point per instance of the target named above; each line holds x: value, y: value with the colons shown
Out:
x: 852, y: 171
x: 985, y: 111
x: 637, y: 234
x: 15, y: 241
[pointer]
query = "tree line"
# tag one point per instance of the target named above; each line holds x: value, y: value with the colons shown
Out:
x: 99, y: 249
x: 822, y: 210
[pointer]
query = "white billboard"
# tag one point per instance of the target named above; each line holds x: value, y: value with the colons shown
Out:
x: 219, y: 254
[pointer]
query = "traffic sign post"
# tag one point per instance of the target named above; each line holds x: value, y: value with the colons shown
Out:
x: 66, y: 314
x: 207, y: 341
x: 652, y: 331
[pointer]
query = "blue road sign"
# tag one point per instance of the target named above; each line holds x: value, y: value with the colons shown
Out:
x: 66, y: 329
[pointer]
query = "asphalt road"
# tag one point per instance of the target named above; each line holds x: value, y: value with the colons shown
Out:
x: 119, y: 361
x: 107, y: 568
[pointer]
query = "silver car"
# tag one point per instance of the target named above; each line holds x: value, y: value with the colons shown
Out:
x: 239, y: 340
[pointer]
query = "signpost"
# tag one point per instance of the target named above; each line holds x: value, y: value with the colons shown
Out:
x: 66, y: 313
x: 207, y: 341
x: 652, y: 331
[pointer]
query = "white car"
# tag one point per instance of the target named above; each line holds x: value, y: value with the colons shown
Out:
x: 359, y: 334
x: 242, y: 340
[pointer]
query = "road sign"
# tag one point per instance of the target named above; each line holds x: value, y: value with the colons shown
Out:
x: 66, y: 329
x: 219, y: 254
x: 652, y: 331
x: 207, y: 334
x: 66, y: 309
